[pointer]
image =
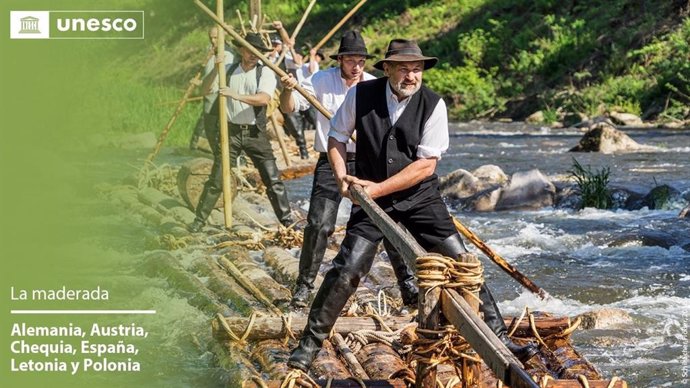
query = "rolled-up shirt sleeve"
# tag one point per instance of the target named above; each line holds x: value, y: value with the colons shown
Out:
x: 343, y: 123
x: 301, y: 102
x: 435, y: 140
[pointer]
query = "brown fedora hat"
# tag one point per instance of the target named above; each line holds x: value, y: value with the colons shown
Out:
x: 403, y: 50
x: 352, y: 43
x: 255, y: 40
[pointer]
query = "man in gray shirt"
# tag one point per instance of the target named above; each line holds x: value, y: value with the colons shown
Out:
x: 250, y: 86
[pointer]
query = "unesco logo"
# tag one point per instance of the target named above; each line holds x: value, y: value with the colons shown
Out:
x: 76, y: 24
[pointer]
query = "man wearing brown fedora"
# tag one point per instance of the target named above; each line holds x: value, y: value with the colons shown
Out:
x: 402, y: 131
x: 249, y: 90
x: 329, y: 87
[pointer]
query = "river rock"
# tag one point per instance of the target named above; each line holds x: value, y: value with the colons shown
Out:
x: 458, y: 184
x: 646, y: 238
x: 535, y: 118
x: 464, y: 184
x: 660, y: 197
x: 483, y: 201
x: 605, y: 138
x: 606, y: 318
x: 527, y: 190
x: 627, y: 119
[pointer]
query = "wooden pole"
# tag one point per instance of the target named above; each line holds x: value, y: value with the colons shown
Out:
x: 239, y: 16
x: 223, y: 121
x: 296, y: 31
x: 185, y: 98
x: 340, y: 24
x: 254, y: 10
x: 496, y: 258
x: 283, y: 148
x: 312, y: 100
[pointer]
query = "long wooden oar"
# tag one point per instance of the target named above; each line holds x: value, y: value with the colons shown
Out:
x: 340, y: 24
x: 312, y: 100
x: 496, y: 258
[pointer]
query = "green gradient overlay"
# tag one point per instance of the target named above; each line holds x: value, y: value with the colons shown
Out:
x: 59, y: 105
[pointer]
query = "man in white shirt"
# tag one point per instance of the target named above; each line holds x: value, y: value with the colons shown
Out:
x: 402, y: 132
x: 329, y: 87
x: 249, y: 90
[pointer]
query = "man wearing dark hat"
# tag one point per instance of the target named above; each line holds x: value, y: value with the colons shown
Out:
x: 249, y: 90
x: 402, y: 132
x: 329, y: 87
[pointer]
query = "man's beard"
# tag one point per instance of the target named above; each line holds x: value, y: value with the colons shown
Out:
x: 398, y: 88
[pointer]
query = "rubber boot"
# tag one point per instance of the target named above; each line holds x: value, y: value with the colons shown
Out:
x: 275, y: 189
x: 493, y: 319
x: 320, y: 225
x: 350, y: 265
x: 207, y: 201
x: 405, y: 275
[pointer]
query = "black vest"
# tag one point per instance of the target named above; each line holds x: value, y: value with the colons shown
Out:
x: 259, y: 111
x: 384, y: 149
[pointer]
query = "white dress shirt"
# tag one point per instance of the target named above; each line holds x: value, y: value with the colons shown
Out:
x: 210, y: 98
x: 329, y: 88
x: 434, y: 140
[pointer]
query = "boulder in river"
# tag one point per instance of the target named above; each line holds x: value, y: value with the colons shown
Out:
x: 660, y: 197
x: 527, y: 190
x: 463, y: 184
x: 605, y: 138
x: 627, y: 119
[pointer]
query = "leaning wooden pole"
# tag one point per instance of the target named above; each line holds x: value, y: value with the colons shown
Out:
x: 185, y: 98
x: 340, y: 24
x: 296, y: 32
x: 312, y: 100
x: 223, y: 121
x: 283, y: 148
x: 496, y: 258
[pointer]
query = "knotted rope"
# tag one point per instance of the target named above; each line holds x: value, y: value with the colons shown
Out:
x: 435, y: 347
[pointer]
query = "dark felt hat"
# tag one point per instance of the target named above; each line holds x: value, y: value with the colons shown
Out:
x: 403, y: 50
x: 352, y: 43
x: 256, y: 41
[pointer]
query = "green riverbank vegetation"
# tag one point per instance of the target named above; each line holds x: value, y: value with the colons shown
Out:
x: 498, y: 58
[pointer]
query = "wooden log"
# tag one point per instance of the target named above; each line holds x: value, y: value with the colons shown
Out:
x: 349, y: 383
x: 248, y: 284
x: 591, y: 383
x: 223, y: 285
x: 297, y: 171
x: 494, y: 353
x: 380, y: 361
x: 328, y: 365
x: 349, y: 357
x: 191, y: 179
x: 271, y: 327
x: 570, y: 363
x: 163, y: 265
x: 271, y: 356
x: 274, y: 291
x: 283, y: 264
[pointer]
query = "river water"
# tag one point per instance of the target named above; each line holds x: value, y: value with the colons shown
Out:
x: 566, y: 252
